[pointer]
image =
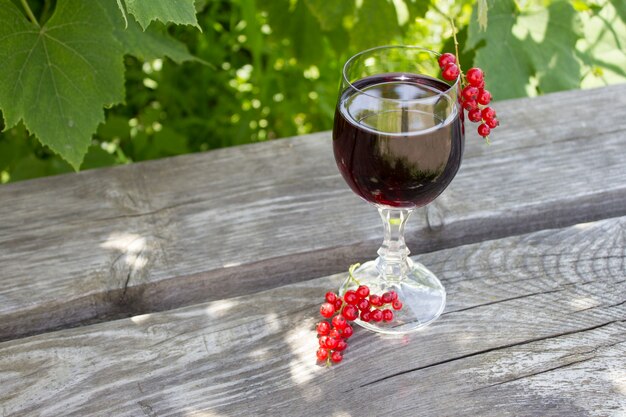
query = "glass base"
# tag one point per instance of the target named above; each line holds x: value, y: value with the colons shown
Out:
x: 422, y: 295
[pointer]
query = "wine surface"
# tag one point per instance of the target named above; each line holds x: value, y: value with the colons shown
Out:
x: 398, y: 153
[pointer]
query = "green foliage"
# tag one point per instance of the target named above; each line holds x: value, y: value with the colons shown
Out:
x: 117, y: 81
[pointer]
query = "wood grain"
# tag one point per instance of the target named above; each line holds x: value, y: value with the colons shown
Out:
x: 535, y: 326
x: 152, y: 236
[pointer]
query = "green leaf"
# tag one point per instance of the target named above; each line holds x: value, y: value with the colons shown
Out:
x: 376, y: 24
x: 152, y: 43
x: 620, y: 8
x: 330, y: 14
x: 62, y: 74
x: 115, y: 128
x: 482, y: 16
x: 539, y: 42
x: 97, y: 158
x: 13, y: 146
x: 553, y: 57
x: 503, y: 57
x: 306, y: 36
x: 602, y: 48
x: 417, y: 8
x: 32, y: 167
x: 169, y: 142
x: 253, y: 33
x: 298, y: 26
x: 176, y: 11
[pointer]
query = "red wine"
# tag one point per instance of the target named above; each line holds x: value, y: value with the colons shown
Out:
x: 398, y: 153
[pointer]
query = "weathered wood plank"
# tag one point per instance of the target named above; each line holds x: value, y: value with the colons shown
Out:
x: 535, y: 326
x: 154, y: 236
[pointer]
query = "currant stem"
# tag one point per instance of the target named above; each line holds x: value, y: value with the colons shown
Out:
x: 29, y: 12
x: 456, y: 52
x: 351, y: 272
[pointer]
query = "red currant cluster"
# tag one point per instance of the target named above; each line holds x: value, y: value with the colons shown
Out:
x: 355, y: 303
x: 474, y: 97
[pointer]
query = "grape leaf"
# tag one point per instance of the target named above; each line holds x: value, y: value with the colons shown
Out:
x: 63, y: 73
x: 539, y: 42
x: 175, y: 11
x: 152, y: 43
x: 556, y: 65
x: 503, y: 58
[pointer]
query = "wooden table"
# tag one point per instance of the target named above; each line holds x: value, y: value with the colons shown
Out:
x: 190, y: 286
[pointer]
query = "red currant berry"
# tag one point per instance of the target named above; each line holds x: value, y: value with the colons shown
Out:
x: 480, y: 85
x: 363, y: 305
x: 470, y: 104
x: 323, y: 328
x: 446, y: 59
x: 335, y: 334
x: 350, y: 312
x: 350, y: 297
x: 387, y: 315
x: 336, y: 357
x: 483, y: 130
x: 331, y: 342
x: 474, y: 76
x: 338, y: 303
x: 387, y: 298
x: 397, y: 304
x: 322, y: 354
x: 339, y: 322
x: 492, y: 123
x: 331, y: 297
x: 327, y: 310
x: 341, y: 346
x: 450, y: 72
x: 365, y: 316
x: 375, y: 300
x: 484, y: 97
x: 470, y: 93
x: 363, y: 291
x: 394, y: 295
x: 475, y: 115
x: 347, y: 332
x: 488, y: 113
x: 376, y: 315
x: 322, y: 341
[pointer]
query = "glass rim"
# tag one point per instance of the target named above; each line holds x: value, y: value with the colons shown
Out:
x: 377, y: 48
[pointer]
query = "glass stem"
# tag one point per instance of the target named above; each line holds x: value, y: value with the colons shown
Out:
x: 393, y: 261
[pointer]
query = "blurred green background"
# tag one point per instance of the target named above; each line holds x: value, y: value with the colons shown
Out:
x: 275, y: 66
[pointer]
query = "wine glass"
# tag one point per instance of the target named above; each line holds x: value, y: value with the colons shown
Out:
x: 398, y: 141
